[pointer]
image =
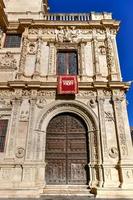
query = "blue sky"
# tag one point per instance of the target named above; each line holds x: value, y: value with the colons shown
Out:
x: 122, y: 10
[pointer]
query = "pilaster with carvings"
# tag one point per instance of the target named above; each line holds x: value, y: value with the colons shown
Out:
x: 38, y: 57
x: 51, y: 66
x: 82, y: 51
x: 97, y: 74
x: 118, y: 97
x: 23, y: 54
x: 113, y: 75
x: 100, y: 100
x: 16, y: 103
x: 30, y: 137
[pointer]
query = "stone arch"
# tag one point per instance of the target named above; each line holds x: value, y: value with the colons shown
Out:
x: 91, y: 121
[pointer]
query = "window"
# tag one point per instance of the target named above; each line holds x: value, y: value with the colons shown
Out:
x: 12, y: 41
x: 67, y: 63
x: 3, y: 130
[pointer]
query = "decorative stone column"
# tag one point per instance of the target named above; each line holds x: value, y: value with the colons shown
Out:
x: 120, y: 130
x: 23, y: 54
x: 82, y: 53
x: 30, y: 138
x: 125, y: 161
x: 52, y: 65
x: 11, y: 144
x: 100, y: 100
x: 97, y: 75
x: 38, y: 57
x: 113, y: 75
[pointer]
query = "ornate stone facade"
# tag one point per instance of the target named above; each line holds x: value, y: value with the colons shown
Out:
x: 29, y: 100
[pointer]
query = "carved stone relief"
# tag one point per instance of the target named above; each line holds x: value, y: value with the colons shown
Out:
x: 110, y: 55
x: 24, y: 111
x: 23, y: 55
x: 100, y: 31
x: 20, y: 152
x: 32, y: 48
x: 5, y: 103
x: 33, y: 31
x: 102, y: 50
x: 120, y: 123
x: 101, y: 100
x: 92, y: 103
x: 113, y: 152
x: 129, y: 173
x: 86, y: 94
x: 8, y: 62
x: 67, y: 34
x: 109, y: 116
x: 41, y: 102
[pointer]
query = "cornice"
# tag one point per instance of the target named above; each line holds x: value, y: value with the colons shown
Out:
x: 53, y: 85
x: 102, y: 24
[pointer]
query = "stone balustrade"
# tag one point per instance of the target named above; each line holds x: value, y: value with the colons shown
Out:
x: 77, y: 17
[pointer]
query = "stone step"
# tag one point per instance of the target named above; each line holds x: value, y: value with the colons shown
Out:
x: 67, y: 190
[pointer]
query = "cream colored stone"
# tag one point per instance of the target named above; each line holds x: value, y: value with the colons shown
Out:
x: 28, y: 98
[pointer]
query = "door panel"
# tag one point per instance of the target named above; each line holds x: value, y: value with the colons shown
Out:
x: 66, y: 150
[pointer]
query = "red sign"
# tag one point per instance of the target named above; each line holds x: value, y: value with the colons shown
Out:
x: 67, y: 84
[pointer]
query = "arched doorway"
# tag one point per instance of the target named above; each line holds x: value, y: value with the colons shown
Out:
x: 67, y: 152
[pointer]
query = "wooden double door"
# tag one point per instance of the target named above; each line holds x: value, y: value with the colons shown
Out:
x: 67, y: 151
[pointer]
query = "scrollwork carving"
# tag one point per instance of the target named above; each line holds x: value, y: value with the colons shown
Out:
x: 113, y: 152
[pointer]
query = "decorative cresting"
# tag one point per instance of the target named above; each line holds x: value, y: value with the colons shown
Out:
x: 91, y: 121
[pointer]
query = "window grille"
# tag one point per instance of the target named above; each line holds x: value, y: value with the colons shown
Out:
x: 12, y: 41
x: 3, y: 130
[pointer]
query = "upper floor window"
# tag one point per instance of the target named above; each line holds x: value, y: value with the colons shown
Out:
x: 67, y: 62
x: 3, y: 130
x: 12, y: 41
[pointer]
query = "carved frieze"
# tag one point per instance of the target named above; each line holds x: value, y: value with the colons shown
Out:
x: 46, y: 93
x: 66, y: 34
x: 100, y: 31
x: 6, y: 94
x: 86, y: 94
x: 33, y: 31
x: 8, y: 62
